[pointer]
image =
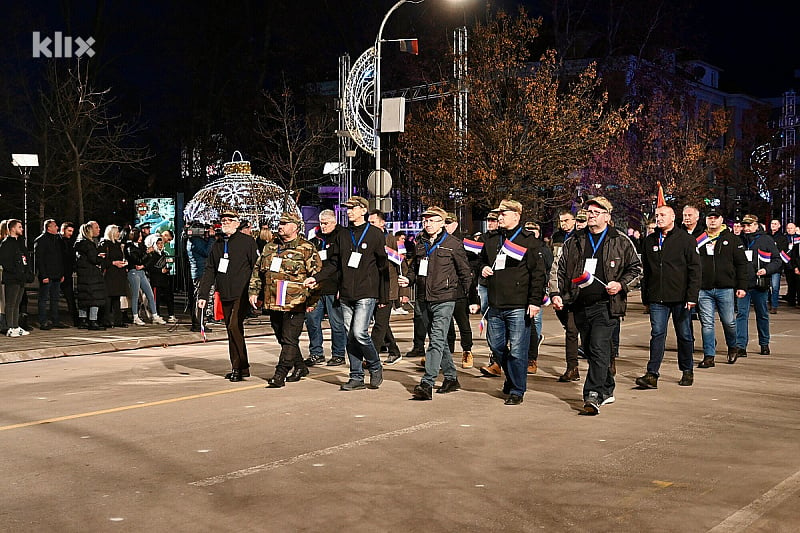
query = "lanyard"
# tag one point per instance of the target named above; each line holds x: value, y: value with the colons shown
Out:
x: 599, y: 242
x: 660, y: 240
x: 753, y: 242
x: 428, y: 252
x: 363, y: 234
x: 503, y: 239
x: 226, y: 248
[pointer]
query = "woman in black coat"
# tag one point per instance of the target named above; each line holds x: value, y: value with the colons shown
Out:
x: 89, y: 268
x: 116, y: 275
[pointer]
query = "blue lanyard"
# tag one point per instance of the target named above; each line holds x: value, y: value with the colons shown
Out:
x: 596, y: 246
x: 660, y: 240
x: 753, y: 242
x: 428, y: 251
x: 226, y: 248
x: 363, y: 234
x: 503, y: 239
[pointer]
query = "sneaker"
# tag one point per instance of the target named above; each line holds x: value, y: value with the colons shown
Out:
x: 533, y: 366
x: 336, y: 361
x: 687, y: 379
x: 415, y: 353
x: 172, y: 319
x: 608, y: 401
x: 492, y: 370
x: 467, y: 360
x: 648, y: 381
x: 401, y: 311
x: 375, y: 378
x: 138, y: 321
x: 396, y: 311
x: 707, y: 362
x: 353, y: 384
x: 591, y: 405
x: 23, y: 332
x: 315, y: 360
x: 13, y: 332
x: 394, y: 358
x: 158, y: 320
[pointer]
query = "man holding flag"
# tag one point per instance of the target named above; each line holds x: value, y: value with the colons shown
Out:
x: 283, y: 266
x: 596, y: 270
x: 382, y: 330
x: 512, y: 263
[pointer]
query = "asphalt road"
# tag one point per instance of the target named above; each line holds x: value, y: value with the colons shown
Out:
x: 155, y: 440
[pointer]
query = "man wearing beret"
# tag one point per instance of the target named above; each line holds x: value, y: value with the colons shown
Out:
x: 358, y: 257
x: 281, y: 269
x: 229, y: 267
x: 512, y: 263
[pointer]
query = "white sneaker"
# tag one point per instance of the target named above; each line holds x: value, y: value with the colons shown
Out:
x: 23, y: 332
x: 609, y: 400
x: 172, y: 319
x: 12, y: 332
x: 401, y: 311
x: 158, y: 320
x: 138, y: 321
x: 396, y: 312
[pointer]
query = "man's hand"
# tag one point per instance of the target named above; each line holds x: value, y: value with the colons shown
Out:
x: 201, y: 304
x: 487, y: 271
x: 558, y: 303
x: 474, y: 308
x: 613, y: 287
x: 533, y: 310
x: 740, y: 293
x: 254, y: 301
x: 309, y: 282
x: 46, y: 280
x: 761, y: 272
x: 690, y: 305
x: 402, y: 281
x: 404, y: 299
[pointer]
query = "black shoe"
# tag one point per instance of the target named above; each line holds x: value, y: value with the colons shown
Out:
x: 235, y: 375
x: 59, y: 325
x: 742, y: 352
x: 46, y: 326
x: 275, y: 382
x: 765, y: 349
x: 423, y: 391
x: 449, y: 385
x: 120, y: 325
x: 94, y: 326
x: 375, y: 378
x: 298, y: 374
x: 648, y: 381
x: 242, y: 373
x: 315, y: 360
x: 707, y: 362
x: 591, y: 405
x: 352, y: 384
x: 571, y: 374
x: 83, y: 323
x: 336, y: 361
x: 416, y: 353
x: 687, y: 379
x: 506, y: 387
x: 733, y: 355
x: 394, y: 358
x: 195, y: 329
x: 514, y: 399
x: 581, y: 354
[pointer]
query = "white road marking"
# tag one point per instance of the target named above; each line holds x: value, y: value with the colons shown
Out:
x: 744, y: 517
x: 216, y: 480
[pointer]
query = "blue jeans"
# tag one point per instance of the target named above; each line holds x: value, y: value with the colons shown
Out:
x: 721, y: 301
x: 357, y: 314
x: 330, y: 303
x: 759, y: 299
x: 49, y: 294
x: 775, y: 289
x: 510, y: 327
x: 483, y: 294
x: 438, y: 354
x: 682, y: 321
x: 138, y: 280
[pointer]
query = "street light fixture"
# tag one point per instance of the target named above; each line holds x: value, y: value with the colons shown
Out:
x: 25, y: 162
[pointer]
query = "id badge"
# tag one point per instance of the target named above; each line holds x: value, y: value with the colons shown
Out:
x: 500, y: 262
x: 590, y: 265
x: 423, y: 267
x: 275, y: 265
x: 355, y: 260
x: 710, y: 248
x: 223, y: 265
x: 749, y: 255
x: 323, y: 255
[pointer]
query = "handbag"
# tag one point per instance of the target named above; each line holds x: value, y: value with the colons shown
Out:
x: 161, y: 263
x: 762, y: 283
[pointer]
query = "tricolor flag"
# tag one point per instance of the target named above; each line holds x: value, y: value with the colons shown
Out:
x: 584, y: 280
x: 764, y: 256
x: 546, y: 300
x: 785, y: 257
x: 473, y: 246
x: 796, y: 239
x: 280, y: 294
x: 481, y: 326
x: 514, y: 251
x: 393, y: 255
x: 409, y: 45
x: 702, y: 239
x: 401, y: 248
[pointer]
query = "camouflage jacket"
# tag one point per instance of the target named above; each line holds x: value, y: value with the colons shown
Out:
x: 299, y: 260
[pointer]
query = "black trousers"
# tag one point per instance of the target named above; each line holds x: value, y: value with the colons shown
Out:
x: 791, y: 286
x: 382, y: 331
x: 460, y: 317
x: 165, y: 296
x: 112, y: 314
x: 287, y: 327
x: 68, y: 290
x: 596, y: 326
x: 235, y: 312
x: 567, y: 319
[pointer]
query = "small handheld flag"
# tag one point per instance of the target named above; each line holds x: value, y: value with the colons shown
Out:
x: 393, y: 256
x: 481, y: 326
x: 703, y: 239
x: 764, y: 256
x: 473, y: 246
x: 514, y: 251
x: 584, y: 280
x: 546, y: 300
x: 661, y: 202
x: 401, y: 248
x: 785, y: 257
x: 410, y: 46
x: 796, y: 239
x: 280, y: 293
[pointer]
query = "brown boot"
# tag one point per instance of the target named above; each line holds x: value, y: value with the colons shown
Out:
x: 466, y: 359
x: 493, y: 370
x: 533, y: 366
x: 570, y: 375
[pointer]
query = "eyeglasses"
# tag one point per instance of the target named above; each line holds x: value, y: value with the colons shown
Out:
x: 595, y: 212
x: 432, y: 220
x: 228, y: 220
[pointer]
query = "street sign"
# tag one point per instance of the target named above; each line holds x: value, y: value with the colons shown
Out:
x: 379, y: 183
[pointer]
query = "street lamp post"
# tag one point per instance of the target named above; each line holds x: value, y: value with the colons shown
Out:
x: 25, y: 162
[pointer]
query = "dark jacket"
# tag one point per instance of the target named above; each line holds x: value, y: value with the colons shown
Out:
x: 158, y: 278
x: 371, y: 278
x: 68, y: 256
x: 197, y: 250
x: 672, y: 271
x: 619, y: 260
x: 88, y: 266
x: 14, y: 259
x: 135, y: 254
x: 48, y: 250
x: 242, y: 256
x: 521, y: 283
x: 322, y: 242
x: 781, y: 240
x: 449, y: 275
x: 726, y: 268
x: 116, y: 278
x: 754, y: 242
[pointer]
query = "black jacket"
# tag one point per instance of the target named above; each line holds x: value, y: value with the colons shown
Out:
x: 15, y: 261
x: 371, y: 278
x: 754, y: 242
x: 620, y: 263
x: 48, y: 250
x: 322, y: 242
x: 68, y: 257
x: 88, y: 266
x: 672, y: 272
x: 726, y: 268
x: 521, y: 283
x: 116, y: 278
x: 449, y: 275
x: 234, y: 283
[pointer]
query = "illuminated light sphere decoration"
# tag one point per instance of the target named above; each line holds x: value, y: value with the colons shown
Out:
x: 254, y: 197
